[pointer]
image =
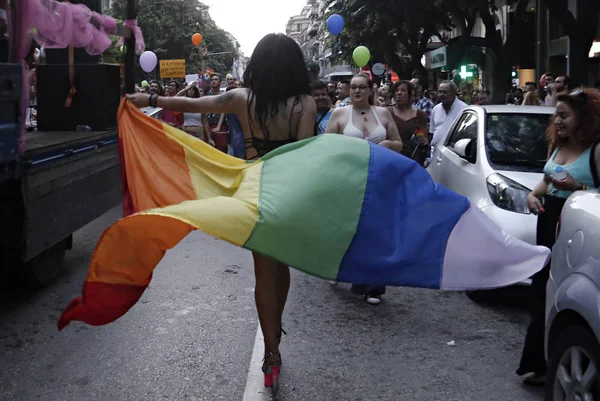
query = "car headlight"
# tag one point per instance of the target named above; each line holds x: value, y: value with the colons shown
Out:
x: 508, y: 194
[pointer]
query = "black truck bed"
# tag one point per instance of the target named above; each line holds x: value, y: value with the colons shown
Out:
x: 65, y: 180
x: 45, y: 142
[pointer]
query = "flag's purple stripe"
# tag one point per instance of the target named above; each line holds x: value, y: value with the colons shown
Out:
x: 404, y: 225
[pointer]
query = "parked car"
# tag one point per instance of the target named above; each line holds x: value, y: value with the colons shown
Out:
x: 495, y: 155
x: 573, y: 303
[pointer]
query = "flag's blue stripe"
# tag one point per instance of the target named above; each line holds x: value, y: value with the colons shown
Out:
x: 405, y: 222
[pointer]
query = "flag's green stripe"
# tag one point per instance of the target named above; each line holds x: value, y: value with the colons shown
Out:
x: 308, y: 215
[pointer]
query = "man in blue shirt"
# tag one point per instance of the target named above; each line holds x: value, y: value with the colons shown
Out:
x: 324, y: 108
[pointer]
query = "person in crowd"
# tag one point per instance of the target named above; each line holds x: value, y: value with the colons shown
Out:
x: 563, y: 84
x: 421, y: 102
x: 410, y: 122
x: 324, y: 107
x: 385, y: 96
x: 275, y: 108
x: 171, y: 117
x: 531, y: 97
x: 573, y: 135
x: 375, y: 124
x: 343, y: 94
x: 195, y: 124
x: 444, y: 113
x: 549, y: 87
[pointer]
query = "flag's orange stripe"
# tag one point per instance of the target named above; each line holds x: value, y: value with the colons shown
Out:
x: 130, y: 249
x: 158, y: 174
x: 122, y: 267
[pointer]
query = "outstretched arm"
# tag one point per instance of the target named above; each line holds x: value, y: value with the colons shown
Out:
x: 229, y: 102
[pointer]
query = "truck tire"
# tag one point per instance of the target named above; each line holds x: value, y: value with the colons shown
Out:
x: 45, y: 268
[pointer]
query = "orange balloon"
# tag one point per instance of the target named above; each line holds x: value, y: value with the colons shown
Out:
x: 196, y: 39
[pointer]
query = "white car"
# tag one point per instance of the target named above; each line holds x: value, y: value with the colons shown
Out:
x: 573, y: 303
x: 494, y: 155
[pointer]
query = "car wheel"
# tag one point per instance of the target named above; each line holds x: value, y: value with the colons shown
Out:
x: 573, y: 369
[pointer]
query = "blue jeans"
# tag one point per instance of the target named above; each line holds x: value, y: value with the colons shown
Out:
x: 236, y: 136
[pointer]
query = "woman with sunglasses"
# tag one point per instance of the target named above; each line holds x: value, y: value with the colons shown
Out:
x: 573, y: 135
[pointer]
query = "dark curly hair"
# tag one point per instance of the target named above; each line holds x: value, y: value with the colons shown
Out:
x: 586, y: 104
x: 409, y: 89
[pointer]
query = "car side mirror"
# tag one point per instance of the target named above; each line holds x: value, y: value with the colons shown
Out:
x: 463, y: 149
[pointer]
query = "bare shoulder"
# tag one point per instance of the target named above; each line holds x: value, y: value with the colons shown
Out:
x: 310, y: 106
x: 382, y: 112
x: 339, y: 111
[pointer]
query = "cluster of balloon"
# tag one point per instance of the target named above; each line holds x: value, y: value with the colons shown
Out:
x: 148, y: 61
x: 361, y: 56
x: 335, y: 24
x: 196, y: 39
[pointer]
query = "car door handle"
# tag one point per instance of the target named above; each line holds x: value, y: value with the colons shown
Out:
x: 439, y: 159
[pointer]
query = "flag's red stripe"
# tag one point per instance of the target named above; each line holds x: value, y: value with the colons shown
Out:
x: 101, y: 303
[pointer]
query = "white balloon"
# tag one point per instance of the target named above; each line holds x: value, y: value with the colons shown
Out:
x: 378, y: 69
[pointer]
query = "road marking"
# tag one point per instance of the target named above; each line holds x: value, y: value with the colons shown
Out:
x: 255, y: 386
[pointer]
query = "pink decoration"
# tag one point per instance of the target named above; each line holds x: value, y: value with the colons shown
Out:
x: 58, y: 25
x: 137, y: 32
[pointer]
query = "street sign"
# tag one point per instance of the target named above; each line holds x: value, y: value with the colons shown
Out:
x: 172, y: 68
x: 464, y: 74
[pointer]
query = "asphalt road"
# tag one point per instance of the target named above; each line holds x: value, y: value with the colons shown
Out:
x: 192, y: 334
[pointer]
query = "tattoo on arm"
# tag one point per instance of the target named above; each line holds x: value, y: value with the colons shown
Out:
x: 226, y: 98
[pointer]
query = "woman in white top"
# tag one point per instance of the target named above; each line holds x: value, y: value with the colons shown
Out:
x: 375, y: 124
x: 195, y: 124
x: 362, y: 120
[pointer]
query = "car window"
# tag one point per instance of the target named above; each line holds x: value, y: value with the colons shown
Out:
x: 466, y: 128
x: 517, y: 140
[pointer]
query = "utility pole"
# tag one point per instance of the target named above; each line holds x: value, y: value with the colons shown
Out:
x: 130, y: 46
x: 542, y: 42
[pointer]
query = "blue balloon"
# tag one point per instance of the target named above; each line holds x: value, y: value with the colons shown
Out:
x: 335, y: 24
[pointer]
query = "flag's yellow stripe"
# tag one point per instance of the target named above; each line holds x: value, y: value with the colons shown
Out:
x: 228, y: 217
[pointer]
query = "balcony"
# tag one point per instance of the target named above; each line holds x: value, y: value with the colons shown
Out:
x: 340, y: 70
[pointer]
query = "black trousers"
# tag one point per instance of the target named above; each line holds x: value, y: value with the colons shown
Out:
x: 533, y: 359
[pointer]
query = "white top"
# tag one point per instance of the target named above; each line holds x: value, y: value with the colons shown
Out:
x: 379, y: 133
x: 440, y: 120
x: 192, y: 119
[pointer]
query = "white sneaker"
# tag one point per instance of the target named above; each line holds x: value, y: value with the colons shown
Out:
x: 373, y: 299
x: 334, y: 283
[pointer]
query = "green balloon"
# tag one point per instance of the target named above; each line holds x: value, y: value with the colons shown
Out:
x: 144, y: 83
x: 361, y: 56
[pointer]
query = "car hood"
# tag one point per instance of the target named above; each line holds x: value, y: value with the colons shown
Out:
x: 527, y: 179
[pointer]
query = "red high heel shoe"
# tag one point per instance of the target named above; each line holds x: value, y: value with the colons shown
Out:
x: 271, y: 369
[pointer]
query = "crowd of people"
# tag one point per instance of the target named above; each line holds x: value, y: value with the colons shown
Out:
x: 278, y: 105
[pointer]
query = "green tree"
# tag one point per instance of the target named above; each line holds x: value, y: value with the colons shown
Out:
x: 168, y: 26
x: 395, y: 31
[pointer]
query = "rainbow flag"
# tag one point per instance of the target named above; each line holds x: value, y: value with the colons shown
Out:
x: 331, y: 206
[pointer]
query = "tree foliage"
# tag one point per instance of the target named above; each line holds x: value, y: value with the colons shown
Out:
x: 168, y: 26
x: 395, y: 31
